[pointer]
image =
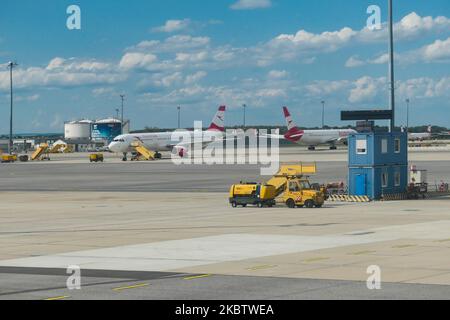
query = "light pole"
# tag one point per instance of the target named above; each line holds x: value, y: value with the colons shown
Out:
x: 117, y: 113
x: 179, y: 117
x: 407, y: 114
x: 245, y: 107
x: 122, y: 96
x: 391, y: 65
x: 11, y: 65
x: 323, y: 114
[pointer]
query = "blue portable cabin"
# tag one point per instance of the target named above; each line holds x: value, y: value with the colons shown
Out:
x: 378, y: 164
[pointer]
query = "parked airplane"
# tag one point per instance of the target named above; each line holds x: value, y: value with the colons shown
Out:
x: 313, y: 138
x: 162, y: 141
x: 421, y: 135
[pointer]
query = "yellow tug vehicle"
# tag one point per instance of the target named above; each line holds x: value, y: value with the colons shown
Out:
x: 290, y: 186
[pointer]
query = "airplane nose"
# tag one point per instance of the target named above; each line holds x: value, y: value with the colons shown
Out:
x: 113, y: 147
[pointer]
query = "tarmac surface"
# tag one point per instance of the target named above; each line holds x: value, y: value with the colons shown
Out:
x: 73, y: 172
x: 152, y: 230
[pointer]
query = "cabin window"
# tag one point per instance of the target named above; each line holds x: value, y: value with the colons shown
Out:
x: 293, y: 187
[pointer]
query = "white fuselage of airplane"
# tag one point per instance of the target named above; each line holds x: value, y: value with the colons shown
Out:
x: 419, y: 136
x: 157, y: 142
x: 320, y: 137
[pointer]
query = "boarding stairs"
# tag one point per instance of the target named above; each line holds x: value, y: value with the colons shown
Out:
x: 142, y: 153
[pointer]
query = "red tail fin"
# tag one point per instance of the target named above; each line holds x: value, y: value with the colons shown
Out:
x: 294, y: 134
x: 218, y: 123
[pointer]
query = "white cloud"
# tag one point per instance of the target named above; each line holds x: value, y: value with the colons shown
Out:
x: 322, y: 88
x: 251, y: 4
x: 277, y: 74
x: 423, y: 88
x: 194, y: 78
x: 372, y: 91
x: 173, y: 26
x: 20, y: 98
x: 63, y: 73
x: 353, y: 62
x: 133, y: 60
x: 192, y: 57
x: 303, y: 43
x: 72, y: 64
x: 271, y: 93
x: 436, y: 52
x: 171, y: 44
x: 104, y: 91
x: 365, y: 89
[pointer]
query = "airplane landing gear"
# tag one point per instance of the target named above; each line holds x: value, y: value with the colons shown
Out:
x: 124, y: 157
x: 311, y: 148
x: 333, y: 148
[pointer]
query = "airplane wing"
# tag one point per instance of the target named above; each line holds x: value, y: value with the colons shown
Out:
x: 273, y: 136
x: 338, y: 140
x: 205, y: 143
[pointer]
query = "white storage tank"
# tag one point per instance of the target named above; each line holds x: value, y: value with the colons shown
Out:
x: 78, y: 131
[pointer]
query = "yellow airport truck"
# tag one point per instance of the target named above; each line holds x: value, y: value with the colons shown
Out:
x: 293, y: 186
x: 96, y: 157
x: 297, y: 192
x: 8, y: 158
x: 289, y: 186
x: 252, y: 194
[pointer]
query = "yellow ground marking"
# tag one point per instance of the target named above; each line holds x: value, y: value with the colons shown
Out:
x: 262, y: 267
x: 198, y: 277
x: 360, y: 253
x: 312, y: 260
x: 444, y: 240
x: 57, y: 298
x: 403, y: 246
x: 136, y: 286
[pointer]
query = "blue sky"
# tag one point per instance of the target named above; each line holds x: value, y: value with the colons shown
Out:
x: 201, y: 53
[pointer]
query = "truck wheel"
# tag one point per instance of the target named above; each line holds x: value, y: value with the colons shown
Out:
x: 244, y: 206
x: 234, y: 204
x: 260, y: 205
x: 290, y: 203
x: 318, y: 206
x: 309, y: 204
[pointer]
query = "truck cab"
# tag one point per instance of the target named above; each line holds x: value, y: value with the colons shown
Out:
x: 299, y: 193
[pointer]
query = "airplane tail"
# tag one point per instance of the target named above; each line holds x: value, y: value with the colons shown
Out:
x: 218, y: 123
x: 294, y: 134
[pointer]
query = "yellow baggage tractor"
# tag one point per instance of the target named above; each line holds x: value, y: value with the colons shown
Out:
x: 252, y: 194
x: 7, y: 158
x: 96, y: 157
